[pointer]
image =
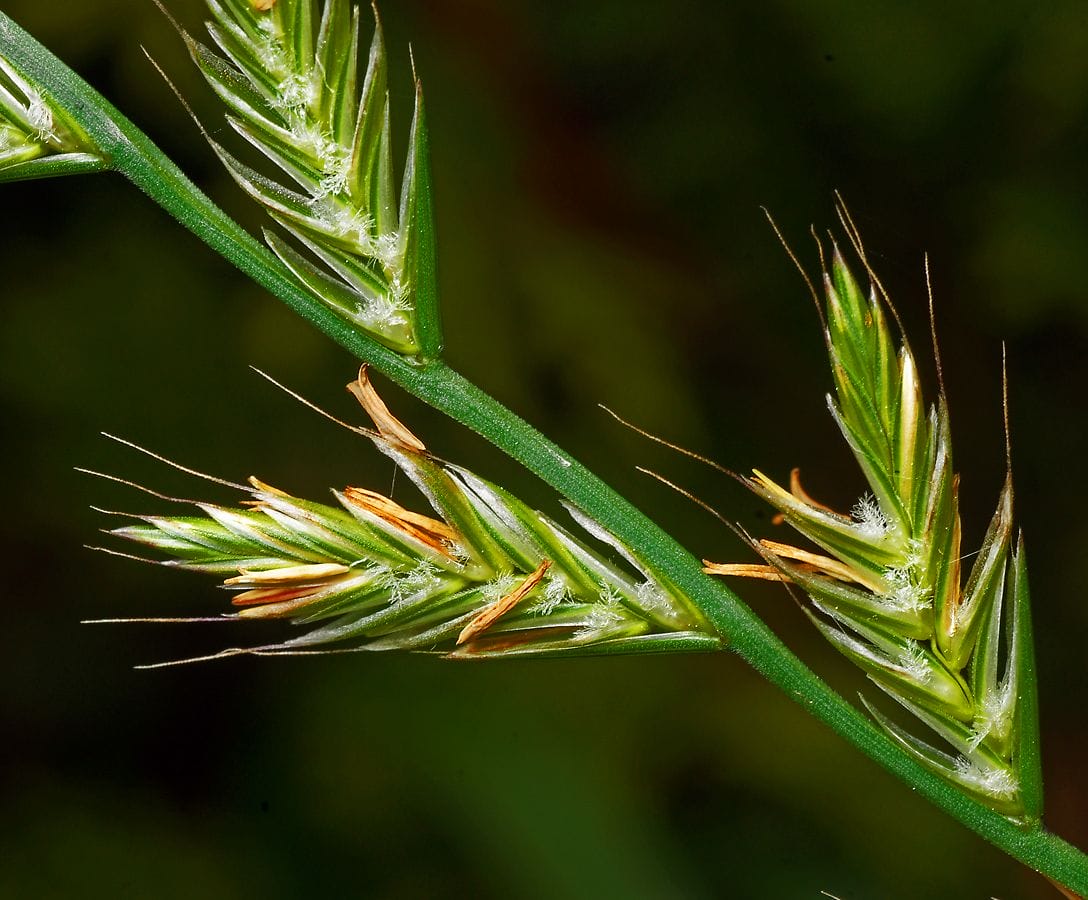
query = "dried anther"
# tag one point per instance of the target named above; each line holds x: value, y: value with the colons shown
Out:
x: 489, y: 616
x: 434, y: 533
x: 388, y: 425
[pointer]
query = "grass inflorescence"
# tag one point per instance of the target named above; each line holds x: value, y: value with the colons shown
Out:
x: 954, y: 653
x: 292, y: 85
x: 488, y: 577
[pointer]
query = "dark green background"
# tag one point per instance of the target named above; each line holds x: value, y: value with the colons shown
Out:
x: 599, y: 168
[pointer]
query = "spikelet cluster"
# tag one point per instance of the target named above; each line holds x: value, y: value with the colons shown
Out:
x: 292, y: 84
x: 487, y: 576
x: 37, y: 138
x: 888, y: 589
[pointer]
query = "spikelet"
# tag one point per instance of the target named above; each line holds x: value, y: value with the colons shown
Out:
x: 291, y: 83
x: 889, y: 594
x: 37, y: 138
x: 487, y: 577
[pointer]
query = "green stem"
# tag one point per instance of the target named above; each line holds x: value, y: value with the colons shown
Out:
x: 131, y: 153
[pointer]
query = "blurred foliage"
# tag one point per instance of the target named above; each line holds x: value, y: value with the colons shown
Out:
x: 599, y: 168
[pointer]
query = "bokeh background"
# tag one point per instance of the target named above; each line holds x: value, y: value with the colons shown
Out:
x: 600, y: 169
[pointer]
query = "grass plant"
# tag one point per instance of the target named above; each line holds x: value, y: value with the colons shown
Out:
x: 486, y: 575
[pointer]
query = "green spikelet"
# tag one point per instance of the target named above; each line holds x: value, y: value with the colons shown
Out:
x: 954, y: 653
x: 37, y: 138
x: 488, y: 577
x: 291, y: 83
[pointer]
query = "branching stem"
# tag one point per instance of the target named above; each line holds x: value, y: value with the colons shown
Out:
x: 133, y: 155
